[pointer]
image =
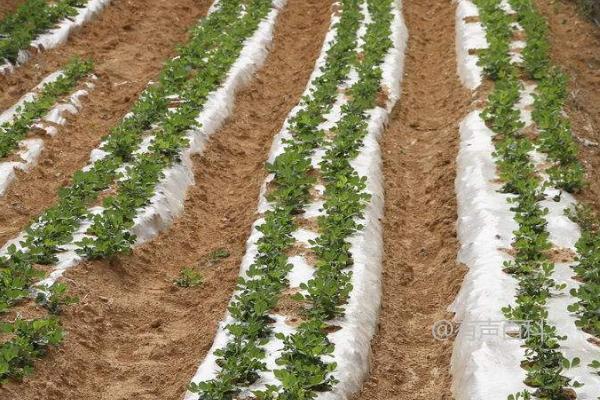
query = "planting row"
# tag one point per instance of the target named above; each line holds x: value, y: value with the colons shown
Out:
x: 137, y: 160
x: 535, y: 160
x: 41, y: 24
x: 563, y: 171
x: 37, y: 110
x: 531, y: 265
x: 300, y: 322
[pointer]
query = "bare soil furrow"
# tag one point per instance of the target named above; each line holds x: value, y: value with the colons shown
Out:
x: 421, y: 276
x: 135, y: 335
x: 128, y: 42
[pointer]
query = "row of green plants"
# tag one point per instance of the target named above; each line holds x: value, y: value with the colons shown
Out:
x: 32, y: 18
x: 305, y: 369
x: 243, y: 358
x: 544, y: 362
x: 45, y: 238
x: 557, y: 141
x: 555, y: 137
x: 11, y: 132
x: 566, y: 172
x: 587, y: 270
x: 29, y: 339
x: 110, y: 233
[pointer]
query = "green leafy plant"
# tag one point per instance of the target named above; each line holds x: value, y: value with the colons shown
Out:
x: 555, y: 138
x: 55, y: 297
x: 241, y: 359
x: 30, y: 340
x: 188, y: 277
x: 587, y: 270
x: 109, y: 234
x: 17, y: 273
x: 200, y: 68
x: 218, y: 254
x: 544, y: 361
x: 11, y: 132
x: 524, y: 395
x: 595, y: 365
x: 304, y: 372
x: 32, y: 18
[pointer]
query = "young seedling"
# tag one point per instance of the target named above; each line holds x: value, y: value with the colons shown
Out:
x: 29, y: 340
x: 595, y: 365
x: 524, y: 395
x: 55, y: 297
x: 188, y: 277
x: 216, y: 256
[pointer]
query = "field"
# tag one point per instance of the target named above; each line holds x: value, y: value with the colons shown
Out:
x: 299, y: 199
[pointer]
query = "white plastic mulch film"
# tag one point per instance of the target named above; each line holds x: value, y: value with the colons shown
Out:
x: 30, y: 149
x: 56, y: 36
x: 486, y: 358
x: 169, y: 197
x: 357, y: 327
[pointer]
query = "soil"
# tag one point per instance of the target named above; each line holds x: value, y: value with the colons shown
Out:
x: 8, y: 6
x: 421, y: 276
x: 576, y: 48
x: 136, y: 335
x: 129, y: 41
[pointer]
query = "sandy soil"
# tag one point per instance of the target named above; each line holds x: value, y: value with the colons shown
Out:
x: 134, y: 335
x: 576, y: 48
x: 8, y: 6
x: 421, y: 276
x: 128, y: 42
